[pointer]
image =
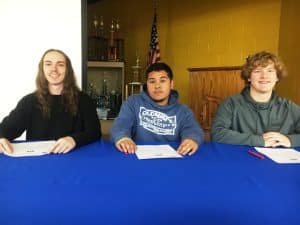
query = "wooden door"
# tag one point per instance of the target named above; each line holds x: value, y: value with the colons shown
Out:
x: 208, y: 87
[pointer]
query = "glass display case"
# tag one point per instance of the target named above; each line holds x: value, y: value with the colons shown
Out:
x: 105, y: 84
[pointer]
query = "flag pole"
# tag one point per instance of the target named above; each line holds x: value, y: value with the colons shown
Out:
x: 154, y: 51
x: 155, y: 5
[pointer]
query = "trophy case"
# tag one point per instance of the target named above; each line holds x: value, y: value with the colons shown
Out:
x: 105, y: 85
x: 105, y: 43
x: 104, y: 78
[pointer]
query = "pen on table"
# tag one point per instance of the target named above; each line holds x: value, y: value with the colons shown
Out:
x: 256, y: 154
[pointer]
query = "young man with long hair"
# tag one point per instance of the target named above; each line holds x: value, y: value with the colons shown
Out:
x: 56, y: 110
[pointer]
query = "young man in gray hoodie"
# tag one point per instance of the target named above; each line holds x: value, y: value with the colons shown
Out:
x: 258, y: 116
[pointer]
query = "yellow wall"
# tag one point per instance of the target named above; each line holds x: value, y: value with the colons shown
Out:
x: 195, y: 33
x: 289, y: 49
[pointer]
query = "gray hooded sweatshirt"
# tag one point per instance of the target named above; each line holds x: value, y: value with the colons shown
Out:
x: 240, y: 120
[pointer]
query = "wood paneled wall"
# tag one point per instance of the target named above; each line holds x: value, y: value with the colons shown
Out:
x: 208, y: 87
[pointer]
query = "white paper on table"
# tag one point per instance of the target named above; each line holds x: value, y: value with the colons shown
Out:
x: 35, y: 148
x: 156, y: 151
x: 281, y: 155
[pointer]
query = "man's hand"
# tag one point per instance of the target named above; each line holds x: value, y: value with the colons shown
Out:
x: 126, y: 145
x: 187, y: 146
x: 63, y: 145
x: 5, y: 146
x: 275, y: 139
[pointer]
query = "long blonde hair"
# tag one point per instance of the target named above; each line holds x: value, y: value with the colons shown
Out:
x: 70, y: 89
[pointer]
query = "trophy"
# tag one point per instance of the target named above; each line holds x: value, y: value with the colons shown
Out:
x: 135, y: 86
x: 112, y: 48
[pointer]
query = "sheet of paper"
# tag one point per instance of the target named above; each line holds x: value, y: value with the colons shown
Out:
x: 34, y: 148
x: 156, y: 151
x: 281, y: 155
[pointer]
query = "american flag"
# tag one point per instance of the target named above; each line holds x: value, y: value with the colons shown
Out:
x: 154, y: 52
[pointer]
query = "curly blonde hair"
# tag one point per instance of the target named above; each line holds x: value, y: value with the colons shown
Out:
x: 263, y: 59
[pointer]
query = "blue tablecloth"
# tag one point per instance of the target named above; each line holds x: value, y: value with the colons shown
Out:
x: 96, y: 184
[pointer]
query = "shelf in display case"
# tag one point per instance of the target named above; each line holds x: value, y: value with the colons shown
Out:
x: 108, y: 64
x: 105, y: 84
